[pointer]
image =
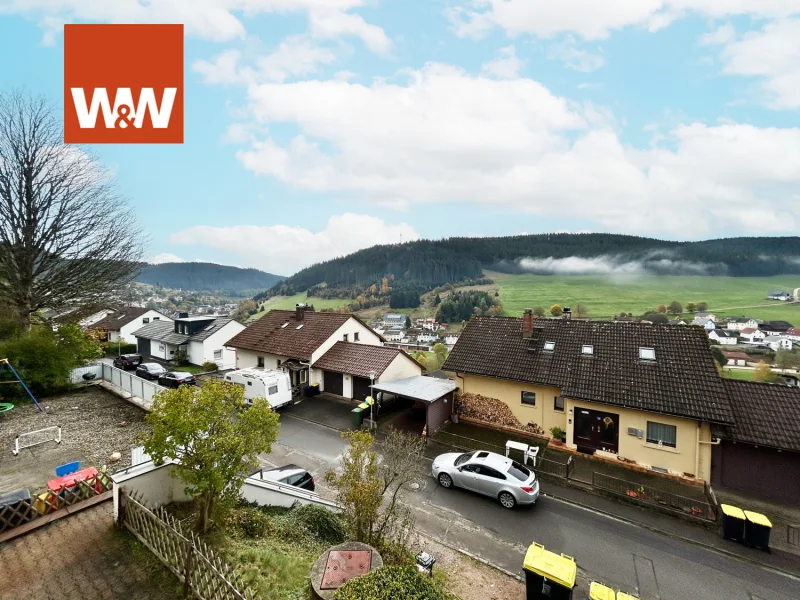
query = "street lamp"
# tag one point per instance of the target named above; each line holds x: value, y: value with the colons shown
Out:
x: 372, y: 375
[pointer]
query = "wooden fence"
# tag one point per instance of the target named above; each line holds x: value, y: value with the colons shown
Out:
x: 202, y: 572
x: 25, y: 510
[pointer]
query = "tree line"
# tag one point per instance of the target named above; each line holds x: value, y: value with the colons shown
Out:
x: 460, y: 306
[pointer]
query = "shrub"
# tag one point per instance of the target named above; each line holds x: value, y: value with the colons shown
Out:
x: 392, y: 583
x: 181, y: 357
x: 209, y: 366
x: 315, y: 522
x: 115, y: 348
x: 557, y: 432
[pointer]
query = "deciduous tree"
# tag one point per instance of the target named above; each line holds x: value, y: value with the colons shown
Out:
x: 675, y: 308
x: 690, y: 307
x: 785, y: 359
x: 215, y: 439
x: 556, y: 310
x: 702, y: 307
x: 538, y: 311
x: 661, y: 308
x: 581, y: 311
x: 763, y: 373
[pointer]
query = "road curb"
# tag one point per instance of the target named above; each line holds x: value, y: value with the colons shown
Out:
x: 469, y: 554
x: 700, y: 544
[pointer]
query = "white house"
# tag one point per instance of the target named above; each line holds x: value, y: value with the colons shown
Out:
x: 723, y: 337
x: 753, y: 336
x: 778, y: 342
x: 203, y: 337
x: 427, y: 338
x: 337, y: 351
x: 738, y: 359
x: 90, y: 320
x: 706, y: 315
x: 394, y: 320
x: 793, y: 334
x: 123, y: 323
x: 740, y: 323
x: 450, y: 340
x: 705, y: 323
x: 395, y: 335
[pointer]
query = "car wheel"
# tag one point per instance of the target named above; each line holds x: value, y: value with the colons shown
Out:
x: 445, y: 480
x: 507, y: 500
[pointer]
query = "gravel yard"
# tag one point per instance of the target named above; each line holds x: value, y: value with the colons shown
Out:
x: 94, y: 424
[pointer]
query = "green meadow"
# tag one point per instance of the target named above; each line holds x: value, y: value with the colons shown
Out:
x: 289, y: 302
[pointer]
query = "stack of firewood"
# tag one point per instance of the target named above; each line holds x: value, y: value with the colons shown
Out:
x: 491, y: 410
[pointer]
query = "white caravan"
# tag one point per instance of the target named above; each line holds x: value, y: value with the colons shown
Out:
x: 273, y: 385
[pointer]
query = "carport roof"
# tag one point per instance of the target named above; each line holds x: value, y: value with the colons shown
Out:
x: 419, y: 387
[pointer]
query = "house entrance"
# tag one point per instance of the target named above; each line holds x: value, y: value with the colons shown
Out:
x: 596, y: 430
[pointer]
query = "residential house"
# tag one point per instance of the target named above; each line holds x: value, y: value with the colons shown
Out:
x: 740, y: 323
x: 395, y: 335
x: 89, y: 320
x: 706, y: 315
x: 775, y: 327
x: 793, y: 334
x: 790, y: 380
x: 780, y: 295
x: 778, y: 342
x: 124, y: 322
x: 338, y: 351
x: 427, y: 337
x: 761, y: 454
x: 673, y: 322
x: 450, y: 339
x: 722, y: 337
x: 203, y: 337
x: 737, y: 359
x: 648, y: 393
x: 394, y: 320
x: 705, y: 323
x: 752, y: 336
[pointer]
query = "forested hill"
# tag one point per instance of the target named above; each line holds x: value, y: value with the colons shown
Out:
x: 429, y: 263
x: 207, y: 277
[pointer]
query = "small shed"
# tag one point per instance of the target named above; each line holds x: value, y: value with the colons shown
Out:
x: 435, y: 394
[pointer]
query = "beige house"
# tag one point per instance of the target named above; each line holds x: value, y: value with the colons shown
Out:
x: 647, y: 393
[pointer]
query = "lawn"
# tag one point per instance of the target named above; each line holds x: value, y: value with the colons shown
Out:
x: 742, y: 374
x: 606, y: 296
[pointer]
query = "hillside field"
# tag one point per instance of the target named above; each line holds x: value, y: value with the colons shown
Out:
x: 289, y: 303
x: 606, y: 296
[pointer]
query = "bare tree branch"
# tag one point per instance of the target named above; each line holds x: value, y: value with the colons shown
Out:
x: 67, y: 237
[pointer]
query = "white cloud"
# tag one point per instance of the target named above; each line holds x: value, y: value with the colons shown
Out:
x: 506, y: 65
x: 591, y: 19
x: 567, y: 52
x: 165, y: 257
x: 773, y: 55
x: 216, y: 20
x: 615, y: 265
x: 514, y: 144
x: 282, y: 249
x: 723, y: 34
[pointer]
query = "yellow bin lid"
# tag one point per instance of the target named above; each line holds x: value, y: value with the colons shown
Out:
x: 732, y: 511
x: 757, y: 518
x: 561, y: 569
x: 598, y: 591
x: 624, y: 596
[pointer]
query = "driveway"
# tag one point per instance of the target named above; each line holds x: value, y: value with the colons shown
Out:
x: 630, y: 557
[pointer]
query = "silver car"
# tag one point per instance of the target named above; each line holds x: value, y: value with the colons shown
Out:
x: 489, y: 474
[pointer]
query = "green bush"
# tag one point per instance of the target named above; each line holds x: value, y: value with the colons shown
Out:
x: 115, y: 348
x: 181, y: 357
x: 392, y: 583
x: 209, y: 366
x: 315, y: 522
x: 557, y: 432
x: 249, y: 521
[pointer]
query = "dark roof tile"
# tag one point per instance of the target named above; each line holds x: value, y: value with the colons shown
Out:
x: 120, y: 318
x: 766, y: 414
x: 359, y: 359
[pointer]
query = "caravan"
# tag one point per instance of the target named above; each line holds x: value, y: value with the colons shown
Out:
x: 273, y: 385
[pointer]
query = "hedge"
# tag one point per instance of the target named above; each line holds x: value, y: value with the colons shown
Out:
x: 391, y: 583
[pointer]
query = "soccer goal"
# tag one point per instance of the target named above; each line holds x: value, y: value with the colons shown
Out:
x: 34, y: 438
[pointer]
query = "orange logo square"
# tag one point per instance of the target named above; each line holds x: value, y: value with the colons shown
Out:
x: 123, y: 84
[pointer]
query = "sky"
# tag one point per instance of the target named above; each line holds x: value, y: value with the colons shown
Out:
x: 314, y: 128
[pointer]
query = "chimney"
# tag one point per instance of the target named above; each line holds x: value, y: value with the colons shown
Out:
x: 567, y: 313
x: 299, y: 311
x: 527, y: 324
x: 183, y: 315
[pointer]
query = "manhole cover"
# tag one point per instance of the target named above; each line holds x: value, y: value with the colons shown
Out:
x: 343, y: 565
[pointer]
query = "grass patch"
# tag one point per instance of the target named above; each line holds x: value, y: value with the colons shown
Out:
x: 606, y: 296
x: 289, y: 303
x: 741, y: 374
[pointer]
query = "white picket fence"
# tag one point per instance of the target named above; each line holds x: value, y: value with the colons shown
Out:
x: 125, y: 380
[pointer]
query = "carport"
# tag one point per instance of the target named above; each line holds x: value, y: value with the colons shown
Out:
x: 435, y: 395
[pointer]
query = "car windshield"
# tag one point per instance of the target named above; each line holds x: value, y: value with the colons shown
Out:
x: 463, y: 458
x: 518, y: 471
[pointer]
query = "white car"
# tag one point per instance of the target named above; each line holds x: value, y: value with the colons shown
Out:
x: 489, y: 474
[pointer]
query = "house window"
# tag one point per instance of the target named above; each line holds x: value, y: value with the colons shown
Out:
x: 217, y: 354
x: 273, y: 389
x: 156, y: 318
x: 661, y: 434
x: 558, y: 403
x: 260, y: 361
x: 549, y: 346
x: 647, y: 353
x: 355, y: 336
x: 145, y: 321
x: 529, y: 398
x: 344, y: 337
x: 588, y: 349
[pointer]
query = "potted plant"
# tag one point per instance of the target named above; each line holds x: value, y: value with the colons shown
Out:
x: 558, y: 435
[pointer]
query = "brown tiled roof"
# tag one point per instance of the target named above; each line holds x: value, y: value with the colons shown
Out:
x: 120, y: 318
x: 682, y: 380
x: 736, y: 355
x: 359, y: 359
x: 765, y: 414
x: 267, y: 334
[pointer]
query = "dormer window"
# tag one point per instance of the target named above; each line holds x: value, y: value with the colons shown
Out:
x: 300, y: 326
x: 647, y: 353
x: 588, y: 349
x: 549, y: 346
x: 285, y: 324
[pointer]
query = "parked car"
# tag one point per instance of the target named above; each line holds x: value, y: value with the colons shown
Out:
x: 290, y: 475
x: 150, y: 371
x: 174, y: 379
x: 489, y: 474
x: 128, y: 361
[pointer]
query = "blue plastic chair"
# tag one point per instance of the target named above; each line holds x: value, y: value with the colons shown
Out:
x: 68, y: 468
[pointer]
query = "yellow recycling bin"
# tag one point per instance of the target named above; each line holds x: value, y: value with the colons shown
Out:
x: 756, y: 530
x: 733, y: 520
x: 624, y: 596
x: 598, y: 591
x: 548, y: 575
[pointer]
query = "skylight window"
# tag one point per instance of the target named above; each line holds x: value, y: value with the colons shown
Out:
x: 588, y: 349
x: 285, y: 324
x: 549, y: 346
x: 300, y: 326
x: 647, y: 353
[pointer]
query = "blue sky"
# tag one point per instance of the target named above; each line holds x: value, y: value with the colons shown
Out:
x: 318, y: 127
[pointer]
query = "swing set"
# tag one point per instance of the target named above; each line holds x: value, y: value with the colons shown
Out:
x: 7, y: 407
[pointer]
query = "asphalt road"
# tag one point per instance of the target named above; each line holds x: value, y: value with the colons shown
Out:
x: 616, y: 552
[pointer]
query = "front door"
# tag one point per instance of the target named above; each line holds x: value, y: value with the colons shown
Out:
x: 596, y: 430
